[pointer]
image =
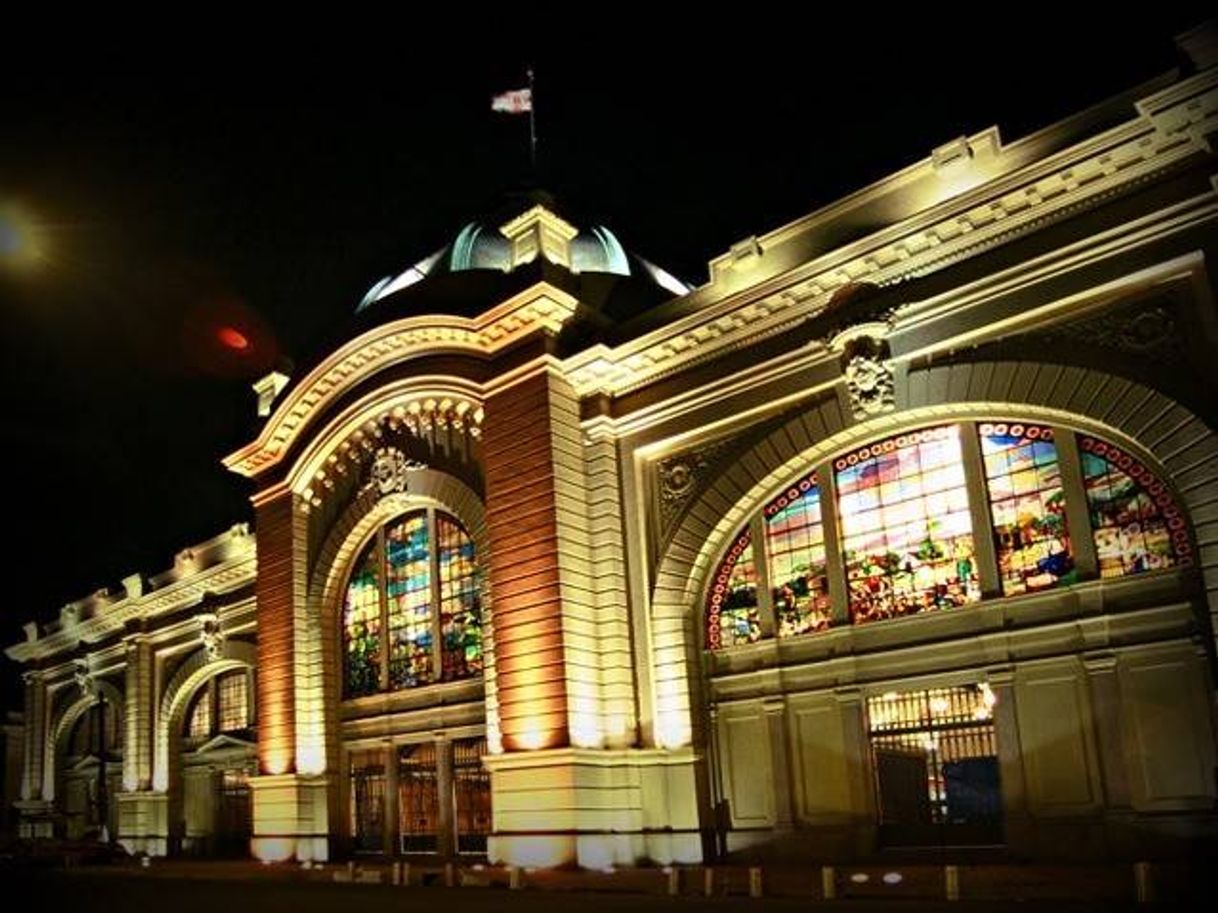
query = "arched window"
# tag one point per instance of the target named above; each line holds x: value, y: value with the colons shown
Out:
x: 221, y: 705
x: 417, y: 581
x: 898, y: 530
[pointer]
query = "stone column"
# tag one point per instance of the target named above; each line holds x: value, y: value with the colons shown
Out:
x: 35, y: 735
x: 568, y: 787
x: 137, y: 743
x: 32, y: 808
x: 290, y: 807
x: 391, y: 842
x: 446, y: 844
x: 143, y: 814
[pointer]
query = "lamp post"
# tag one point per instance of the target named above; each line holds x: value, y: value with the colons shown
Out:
x: 102, y: 799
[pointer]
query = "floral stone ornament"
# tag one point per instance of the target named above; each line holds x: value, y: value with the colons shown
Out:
x: 389, y: 470
x: 866, y: 369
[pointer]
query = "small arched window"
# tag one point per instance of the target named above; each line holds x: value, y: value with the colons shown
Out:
x: 221, y: 705
x: 900, y: 530
x: 412, y: 612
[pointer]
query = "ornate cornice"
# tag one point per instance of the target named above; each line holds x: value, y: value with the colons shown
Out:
x: 1170, y: 129
x: 92, y: 621
x: 542, y: 307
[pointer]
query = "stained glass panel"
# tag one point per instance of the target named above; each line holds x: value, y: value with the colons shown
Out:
x: 1134, y: 519
x: 795, y: 547
x: 906, y: 533
x: 362, y: 626
x: 408, y: 587
x: 460, y: 609
x: 732, y: 613
x: 1027, y: 506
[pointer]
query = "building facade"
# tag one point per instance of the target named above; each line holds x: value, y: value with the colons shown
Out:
x: 901, y: 530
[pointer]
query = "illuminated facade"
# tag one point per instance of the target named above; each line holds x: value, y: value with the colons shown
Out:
x: 900, y: 530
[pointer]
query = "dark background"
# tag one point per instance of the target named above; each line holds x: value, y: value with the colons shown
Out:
x: 175, y: 195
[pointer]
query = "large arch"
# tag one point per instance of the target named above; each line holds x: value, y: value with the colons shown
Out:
x: 318, y: 668
x: 57, y: 733
x: 1146, y: 421
x: 196, y: 669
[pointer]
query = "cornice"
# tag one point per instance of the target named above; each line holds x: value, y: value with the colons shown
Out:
x: 540, y: 307
x: 112, y: 619
x: 968, y: 224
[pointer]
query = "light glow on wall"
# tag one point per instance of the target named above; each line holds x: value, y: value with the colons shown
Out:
x: 273, y: 849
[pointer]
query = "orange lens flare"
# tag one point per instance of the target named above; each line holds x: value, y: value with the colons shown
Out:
x: 233, y: 339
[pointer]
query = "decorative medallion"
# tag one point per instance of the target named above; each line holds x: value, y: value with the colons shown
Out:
x: 389, y: 469
x: 866, y: 369
x: 1140, y: 331
x: 680, y: 476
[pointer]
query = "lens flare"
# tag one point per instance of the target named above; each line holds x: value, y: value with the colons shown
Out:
x: 233, y: 339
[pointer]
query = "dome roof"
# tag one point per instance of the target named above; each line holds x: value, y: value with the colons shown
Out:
x: 525, y: 233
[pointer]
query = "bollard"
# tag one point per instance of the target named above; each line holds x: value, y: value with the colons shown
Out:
x: 674, y: 881
x: 708, y: 881
x: 755, y: 881
x: 514, y: 880
x: 351, y: 871
x: 828, y: 882
x: 405, y: 874
x: 1143, y: 882
x: 450, y: 875
x: 951, y: 881
x: 395, y: 873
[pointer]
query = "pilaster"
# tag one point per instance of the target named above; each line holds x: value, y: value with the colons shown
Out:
x: 35, y: 722
x: 137, y: 741
x: 290, y: 818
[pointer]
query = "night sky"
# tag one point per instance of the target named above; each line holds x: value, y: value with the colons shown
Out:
x: 168, y: 199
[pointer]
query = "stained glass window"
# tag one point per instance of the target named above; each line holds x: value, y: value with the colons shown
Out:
x: 732, y: 616
x: 460, y: 611
x: 1027, y: 506
x: 408, y: 587
x: 429, y: 606
x: 795, y: 547
x: 362, y: 626
x: 1134, y: 519
x: 906, y: 532
x: 234, y: 702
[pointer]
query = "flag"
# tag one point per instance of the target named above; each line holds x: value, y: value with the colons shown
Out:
x: 518, y: 101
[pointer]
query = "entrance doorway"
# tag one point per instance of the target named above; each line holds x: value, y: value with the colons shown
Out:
x: 936, y: 766
x: 437, y: 798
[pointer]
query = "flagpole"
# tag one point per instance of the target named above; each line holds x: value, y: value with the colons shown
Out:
x: 532, y: 124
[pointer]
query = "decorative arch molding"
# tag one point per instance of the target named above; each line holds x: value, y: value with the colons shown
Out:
x: 1150, y: 424
x: 418, y: 403
x: 57, y: 734
x: 540, y: 307
x: 197, y: 668
x: 318, y: 665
